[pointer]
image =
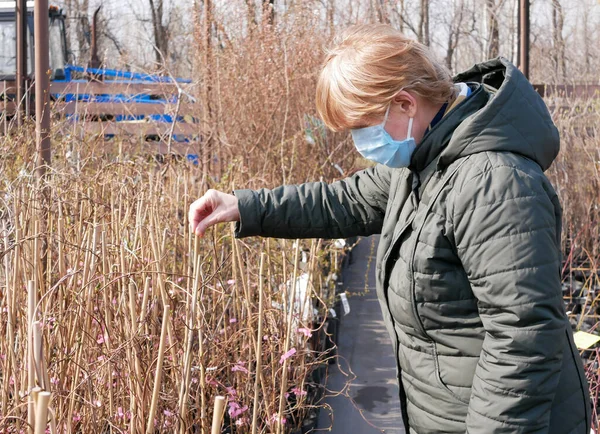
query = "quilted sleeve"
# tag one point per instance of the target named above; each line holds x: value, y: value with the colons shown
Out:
x: 350, y: 207
x: 505, y: 229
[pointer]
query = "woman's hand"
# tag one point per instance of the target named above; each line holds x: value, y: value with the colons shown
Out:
x: 212, y: 208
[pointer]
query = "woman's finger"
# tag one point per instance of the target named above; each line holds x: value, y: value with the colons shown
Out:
x: 199, y: 210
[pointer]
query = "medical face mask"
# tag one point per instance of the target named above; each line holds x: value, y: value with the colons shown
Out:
x: 374, y: 143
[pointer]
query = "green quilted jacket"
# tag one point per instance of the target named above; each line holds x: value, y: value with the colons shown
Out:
x: 468, y: 264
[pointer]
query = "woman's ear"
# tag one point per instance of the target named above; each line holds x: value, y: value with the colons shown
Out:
x: 406, y: 103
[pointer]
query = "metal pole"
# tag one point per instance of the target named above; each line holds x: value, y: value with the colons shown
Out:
x: 21, y: 17
x: 42, y: 87
x: 524, y: 37
x: 95, y: 60
x: 42, y: 120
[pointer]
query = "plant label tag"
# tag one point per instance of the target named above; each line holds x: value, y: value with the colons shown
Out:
x: 584, y: 340
x: 332, y: 312
x: 345, y: 303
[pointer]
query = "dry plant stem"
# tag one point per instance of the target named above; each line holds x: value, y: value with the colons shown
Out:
x: 191, y: 317
x: 287, y: 340
x: 244, y: 286
x: 83, y: 313
x: 174, y: 121
x: 106, y: 296
x: 287, y: 109
x: 145, y: 305
x: 4, y: 111
x: 202, y: 375
x: 41, y: 421
x: 258, y: 345
x: 136, y: 360
x: 161, y: 286
x: 31, y: 304
x: 219, y: 409
x: 158, y: 372
x: 37, y: 269
x: 9, y: 296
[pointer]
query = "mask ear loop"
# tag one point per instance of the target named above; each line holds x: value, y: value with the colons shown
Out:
x: 387, y: 112
x: 410, y: 124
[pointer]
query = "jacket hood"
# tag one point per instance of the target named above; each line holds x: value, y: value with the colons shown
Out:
x: 503, y: 114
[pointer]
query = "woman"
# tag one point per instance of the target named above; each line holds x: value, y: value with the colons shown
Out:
x: 468, y: 264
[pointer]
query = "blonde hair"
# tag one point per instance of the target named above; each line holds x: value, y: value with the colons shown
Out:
x: 367, y: 67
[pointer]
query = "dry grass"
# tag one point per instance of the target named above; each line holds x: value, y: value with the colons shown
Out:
x: 120, y: 252
x: 576, y: 177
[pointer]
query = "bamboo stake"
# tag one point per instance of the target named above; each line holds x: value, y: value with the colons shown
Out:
x: 41, y: 367
x: 158, y: 372
x: 219, y: 409
x: 37, y: 353
x: 35, y: 393
x: 258, y: 344
x: 41, y: 419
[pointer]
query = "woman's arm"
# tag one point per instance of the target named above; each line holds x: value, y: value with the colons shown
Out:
x: 507, y: 234
x: 350, y: 207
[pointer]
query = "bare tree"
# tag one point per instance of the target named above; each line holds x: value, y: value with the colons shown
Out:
x: 381, y: 8
x: 78, y: 28
x: 251, y: 5
x: 423, y: 34
x: 454, y: 32
x: 269, y: 12
x: 558, y: 54
x: 399, y: 10
x: 330, y: 16
x: 160, y: 29
x: 493, y: 47
x: 401, y: 24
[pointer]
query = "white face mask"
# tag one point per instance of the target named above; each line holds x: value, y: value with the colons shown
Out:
x: 375, y: 144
